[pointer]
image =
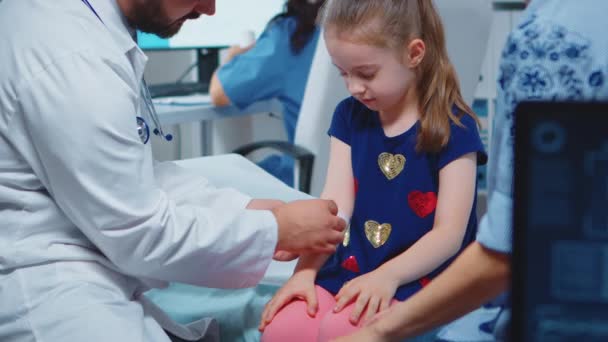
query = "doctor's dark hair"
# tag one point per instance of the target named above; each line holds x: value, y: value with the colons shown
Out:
x: 305, y: 12
x: 394, y: 24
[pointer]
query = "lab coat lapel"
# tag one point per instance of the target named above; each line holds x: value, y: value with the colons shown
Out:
x: 125, y: 36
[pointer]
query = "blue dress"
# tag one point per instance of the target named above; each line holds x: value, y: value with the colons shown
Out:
x: 395, y: 207
x: 271, y: 69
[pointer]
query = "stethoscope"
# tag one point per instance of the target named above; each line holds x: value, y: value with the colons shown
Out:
x: 158, y: 130
x: 143, y: 130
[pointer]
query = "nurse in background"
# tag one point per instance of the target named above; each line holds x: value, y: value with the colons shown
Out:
x: 276, y: 66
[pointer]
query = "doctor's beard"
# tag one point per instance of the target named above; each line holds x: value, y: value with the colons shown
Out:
x: 150, y: 17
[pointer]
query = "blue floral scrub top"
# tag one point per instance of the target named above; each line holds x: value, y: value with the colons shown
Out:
x: 559, y: 51
x: 395, y: 193
x: 272, y: 70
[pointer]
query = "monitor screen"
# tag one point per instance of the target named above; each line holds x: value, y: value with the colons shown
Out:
x: 230, y: 23
x: 560, y: 259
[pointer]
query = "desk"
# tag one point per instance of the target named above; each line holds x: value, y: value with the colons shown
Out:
x: 173, y: 114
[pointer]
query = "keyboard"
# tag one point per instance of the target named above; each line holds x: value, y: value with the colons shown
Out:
x: 178, y: 89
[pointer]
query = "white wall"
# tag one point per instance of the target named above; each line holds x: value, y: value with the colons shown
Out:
x: 503, y: 21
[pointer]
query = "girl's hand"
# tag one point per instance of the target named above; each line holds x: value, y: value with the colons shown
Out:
x: 371, y: 292
x: 301, y: 285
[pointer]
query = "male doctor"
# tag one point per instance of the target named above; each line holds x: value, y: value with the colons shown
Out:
x: 87, y: 221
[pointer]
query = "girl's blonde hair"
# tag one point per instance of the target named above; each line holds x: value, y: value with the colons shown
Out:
x: 393, y: 24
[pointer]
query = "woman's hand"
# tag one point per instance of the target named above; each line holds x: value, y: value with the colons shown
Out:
x: 366, y: 334
x: 371, y: 293
x: 236, y: 50
x: 301, y: 285
x: 373, y: 330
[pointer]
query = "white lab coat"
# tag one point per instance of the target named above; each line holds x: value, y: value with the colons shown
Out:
x: 87, y: 221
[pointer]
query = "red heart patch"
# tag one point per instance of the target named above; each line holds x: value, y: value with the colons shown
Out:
x: 425, y: 281
x: 351, y: 264
x: 356, y: 186
x: 423, y: 204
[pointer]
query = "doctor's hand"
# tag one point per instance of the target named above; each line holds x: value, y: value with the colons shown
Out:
x: 284, y: 256
x: 309, y: 226
x: 263, y: 204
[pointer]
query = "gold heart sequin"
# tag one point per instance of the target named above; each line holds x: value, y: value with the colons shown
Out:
x: 346, y: 240
x: 391, y: 165
x: 377, y: 233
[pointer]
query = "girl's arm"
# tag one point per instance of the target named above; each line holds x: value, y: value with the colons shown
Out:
x: 454, y: 204
x: 339, y: 187
x: 216, y: 89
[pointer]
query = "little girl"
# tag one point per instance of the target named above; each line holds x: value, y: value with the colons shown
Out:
x: 403, y: 157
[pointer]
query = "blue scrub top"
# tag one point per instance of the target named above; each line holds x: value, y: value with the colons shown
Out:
x: 405, y: 201
x: 272, y: 70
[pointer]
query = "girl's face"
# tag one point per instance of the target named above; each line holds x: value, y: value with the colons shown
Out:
x: 373, y: 75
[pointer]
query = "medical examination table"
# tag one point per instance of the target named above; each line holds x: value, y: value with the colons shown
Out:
x: 237, y: 311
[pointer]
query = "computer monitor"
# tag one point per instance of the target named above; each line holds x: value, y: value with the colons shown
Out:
x: 560, y: 251
x: 226, y: 27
